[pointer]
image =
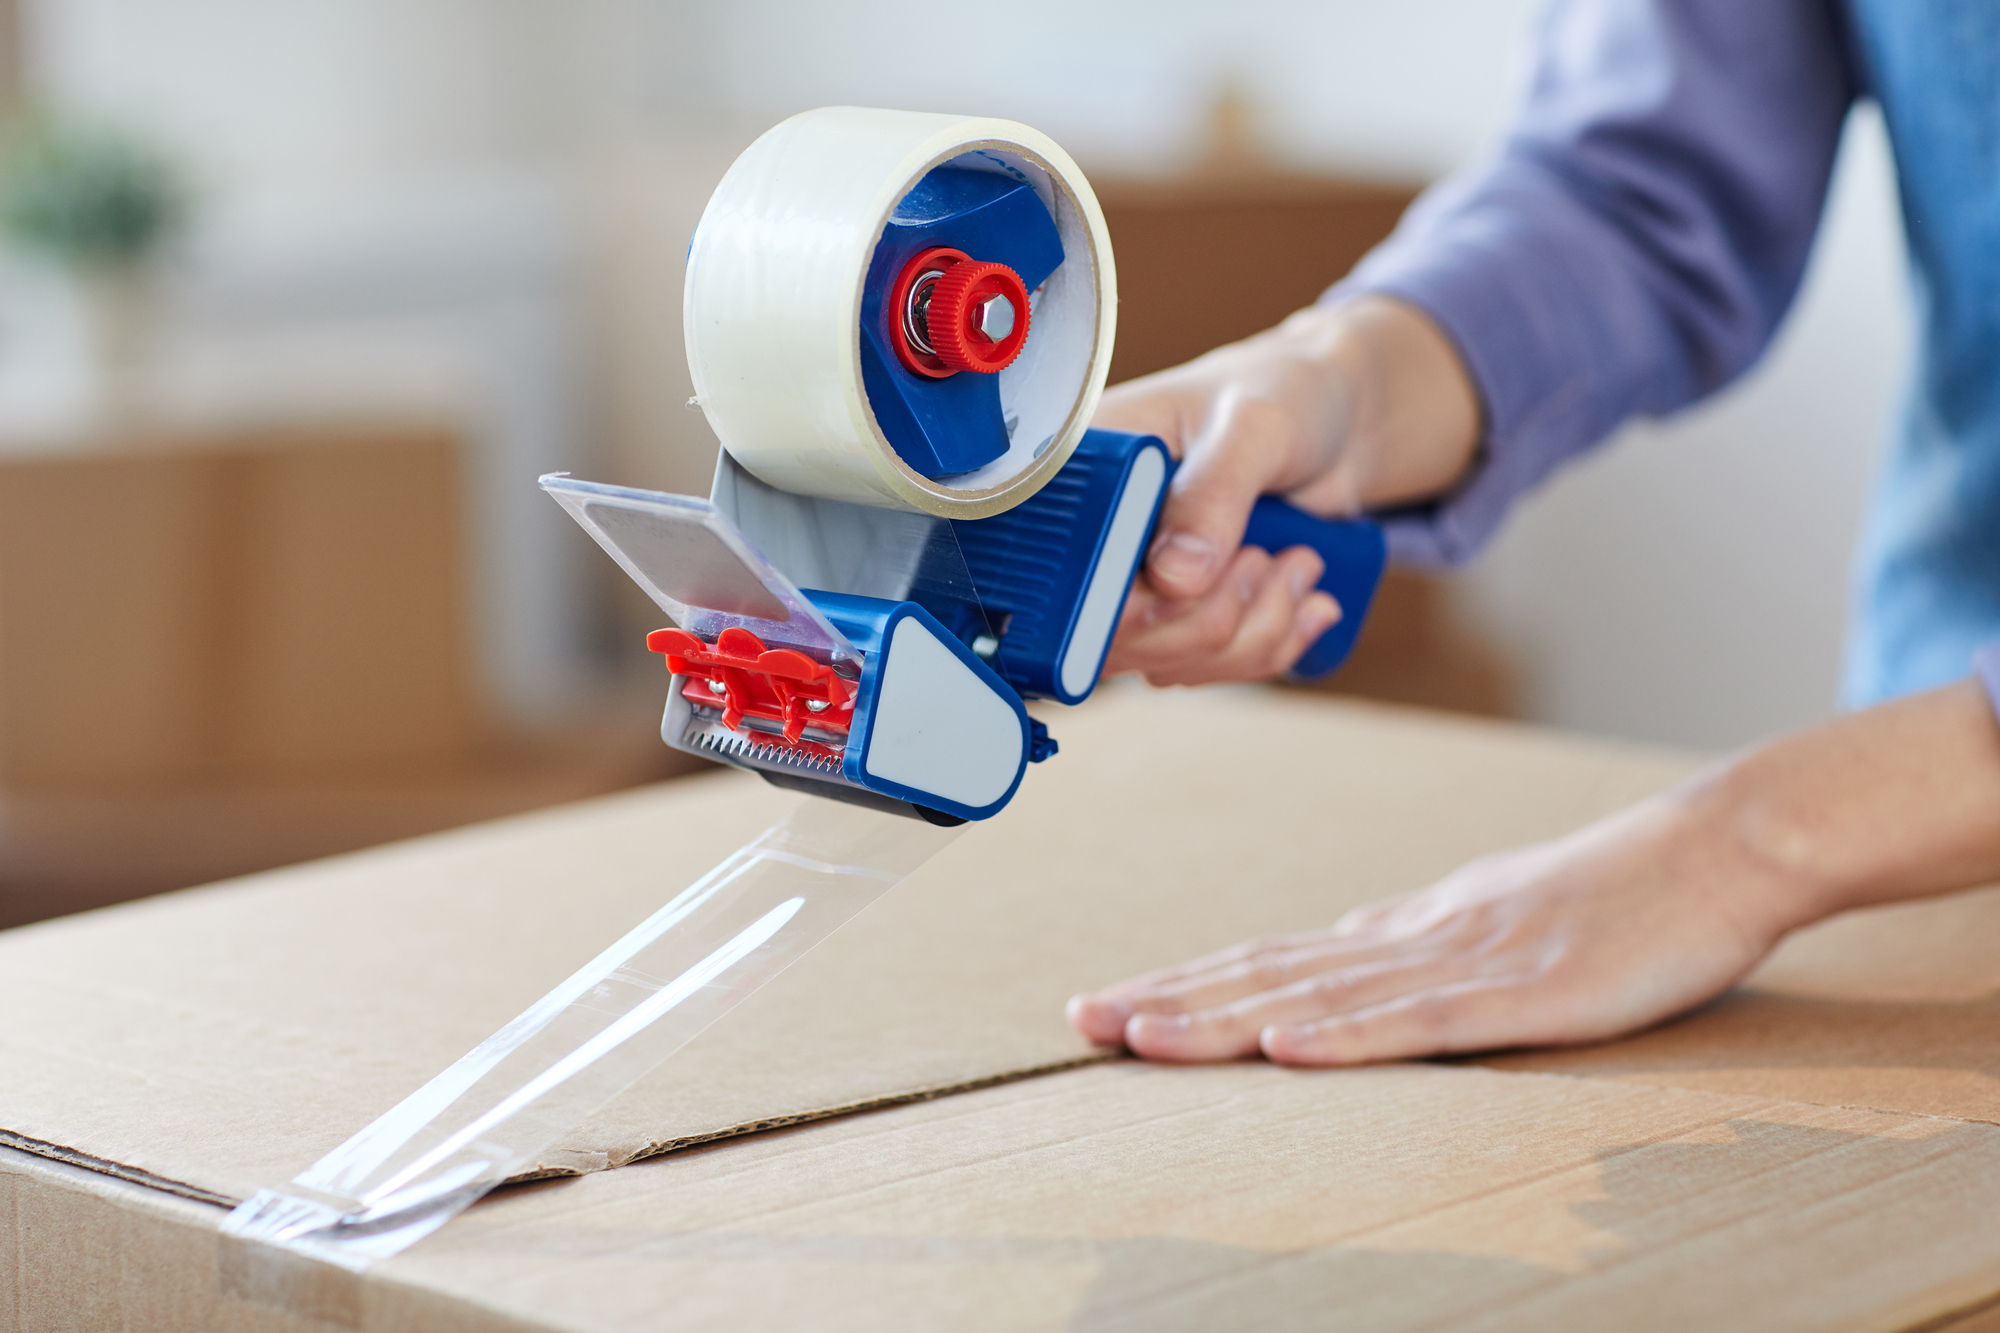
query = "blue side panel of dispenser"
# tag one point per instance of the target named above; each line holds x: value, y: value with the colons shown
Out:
x: 1035, y: 565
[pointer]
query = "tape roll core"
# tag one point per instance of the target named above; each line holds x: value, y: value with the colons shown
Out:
x: 773, y: 308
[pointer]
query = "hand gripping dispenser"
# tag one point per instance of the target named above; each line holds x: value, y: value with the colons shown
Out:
x: 899, y: 325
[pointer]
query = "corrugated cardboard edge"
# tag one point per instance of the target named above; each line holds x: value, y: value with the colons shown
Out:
x: 133, y: 1175
x: 587, y: 1162
x: 660, y: 1147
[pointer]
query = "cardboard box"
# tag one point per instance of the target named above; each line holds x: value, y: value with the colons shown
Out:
x: 348, y: 638
x: 226, y: 651
x: 1766, y: 1164
x: 254, y: 605
x: 108, y: 615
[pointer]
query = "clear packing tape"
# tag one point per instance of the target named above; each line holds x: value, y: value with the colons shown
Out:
x: 491, y: 1115
x: 772, y: 314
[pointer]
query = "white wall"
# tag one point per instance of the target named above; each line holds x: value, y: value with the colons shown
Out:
x: 1400, y: 90
x: 307, y: 96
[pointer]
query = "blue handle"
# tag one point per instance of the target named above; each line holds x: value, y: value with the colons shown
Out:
x: 1355, y: 553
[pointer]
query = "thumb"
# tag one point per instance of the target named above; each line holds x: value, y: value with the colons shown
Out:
x: 1240, y: 453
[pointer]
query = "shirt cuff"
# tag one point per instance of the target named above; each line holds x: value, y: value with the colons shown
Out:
x: 1986, y: 670
x: 1547, y: 328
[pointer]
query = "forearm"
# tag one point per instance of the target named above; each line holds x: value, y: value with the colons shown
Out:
x: 1632, y: 244
x: 1900, y: 801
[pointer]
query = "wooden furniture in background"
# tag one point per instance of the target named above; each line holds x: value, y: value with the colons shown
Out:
x: 244, y: 607
x: 220, y: 653
x: 1416, y: 649
x: 1212, y: 258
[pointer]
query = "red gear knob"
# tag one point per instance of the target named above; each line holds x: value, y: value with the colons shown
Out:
x: 979, y: 317
x: 956, y: 313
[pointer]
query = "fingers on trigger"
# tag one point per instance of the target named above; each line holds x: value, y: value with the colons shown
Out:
x: 1257, y: 641
x: 1186, y: 647
x: 1268, y: 641
x: 1225, y: 470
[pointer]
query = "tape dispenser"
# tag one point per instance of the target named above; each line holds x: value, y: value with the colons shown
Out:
x: 899, y: 325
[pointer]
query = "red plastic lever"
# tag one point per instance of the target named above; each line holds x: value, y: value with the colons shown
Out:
x: 743, y: 678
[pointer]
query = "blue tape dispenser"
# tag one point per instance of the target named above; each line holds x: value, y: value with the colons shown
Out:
x: 898, y: 325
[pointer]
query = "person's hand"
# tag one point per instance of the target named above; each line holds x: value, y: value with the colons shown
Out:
x: 1333, y: 409
x: 1623, y: 924
x: 1631, y: 920
x: 1270, y: 414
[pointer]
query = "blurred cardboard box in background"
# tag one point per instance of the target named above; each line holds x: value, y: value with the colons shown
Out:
x: 1218, y: 256
x: 240, y: 606
x: 225, y: 651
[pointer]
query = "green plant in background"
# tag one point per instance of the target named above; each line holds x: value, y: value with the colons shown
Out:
x: 101, y: 203
x: 91, y: 197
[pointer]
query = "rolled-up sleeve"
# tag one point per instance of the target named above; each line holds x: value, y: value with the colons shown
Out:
x: 1634, y: 242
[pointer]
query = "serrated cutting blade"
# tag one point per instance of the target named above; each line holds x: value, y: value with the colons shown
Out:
x: 708, y: 735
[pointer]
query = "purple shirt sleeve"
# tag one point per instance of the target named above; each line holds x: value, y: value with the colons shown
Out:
x: 1633, y: 243
x: 1986, y: 667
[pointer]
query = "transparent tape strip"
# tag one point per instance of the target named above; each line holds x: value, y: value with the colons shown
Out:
x: 492, y: 1114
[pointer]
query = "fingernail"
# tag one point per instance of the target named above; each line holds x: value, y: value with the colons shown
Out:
x: 1246, y: 589
x: 1318, y: 614
x: 1182, y: 558
x: 1100, y: 1020
x: 1117, y: 1009
x: 1305, y: 580
x: 1140, y: 1024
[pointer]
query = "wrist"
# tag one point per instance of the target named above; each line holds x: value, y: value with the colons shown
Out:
x: 1317, y: 375
x: 1408, y: 417
x: 1778, y: 873
x: 1898, y: 801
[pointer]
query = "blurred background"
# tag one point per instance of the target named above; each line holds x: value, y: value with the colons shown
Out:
x: 297, y: 300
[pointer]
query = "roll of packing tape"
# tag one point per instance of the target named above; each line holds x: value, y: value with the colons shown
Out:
x: 796, y: 321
